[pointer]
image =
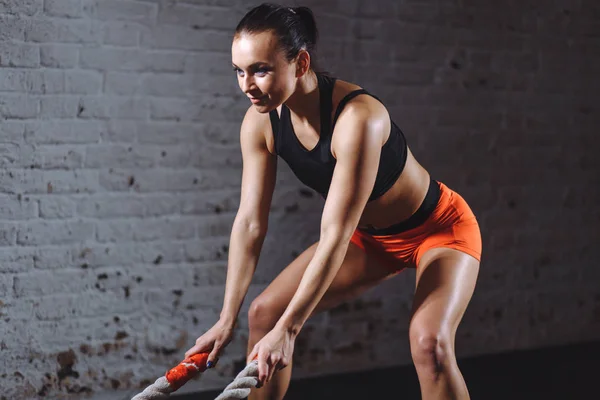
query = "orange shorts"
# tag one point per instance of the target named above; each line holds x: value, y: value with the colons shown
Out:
x: 450, y: 223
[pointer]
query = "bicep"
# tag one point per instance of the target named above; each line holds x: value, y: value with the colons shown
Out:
x: 358, y: 155
x: 259, y: 168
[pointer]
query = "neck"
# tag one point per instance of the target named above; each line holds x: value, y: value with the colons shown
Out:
x: 304, y: 102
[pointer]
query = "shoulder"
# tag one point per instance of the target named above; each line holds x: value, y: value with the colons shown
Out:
x: 256, y: 128
x: 362, y: 108
x: 363, y: 117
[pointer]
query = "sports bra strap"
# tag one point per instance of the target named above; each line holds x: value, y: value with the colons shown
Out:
x: 345, y: 100
x: 274, y: 121
x: 275, y: 128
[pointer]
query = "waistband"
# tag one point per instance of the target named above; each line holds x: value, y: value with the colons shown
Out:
x: 420, y: 216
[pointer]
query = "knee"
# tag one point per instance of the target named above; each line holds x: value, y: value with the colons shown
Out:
x: 432, y: 350
x: 262, y: 315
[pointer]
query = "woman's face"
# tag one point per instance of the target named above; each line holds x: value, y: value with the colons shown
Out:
x: 263, y: 73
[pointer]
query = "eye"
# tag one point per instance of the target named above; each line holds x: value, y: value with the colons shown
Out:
x: 238, y: 71
x: 261, y: 71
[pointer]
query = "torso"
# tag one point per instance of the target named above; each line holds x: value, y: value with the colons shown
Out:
x: 401, y: 200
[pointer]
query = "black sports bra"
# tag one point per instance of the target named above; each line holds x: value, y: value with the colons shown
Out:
x: 315, y: 167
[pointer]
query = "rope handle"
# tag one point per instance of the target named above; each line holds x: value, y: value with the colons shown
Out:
x: 186, y: 370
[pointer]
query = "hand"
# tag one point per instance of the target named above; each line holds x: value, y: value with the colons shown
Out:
x: 213, y: 341
x: 274, y: 352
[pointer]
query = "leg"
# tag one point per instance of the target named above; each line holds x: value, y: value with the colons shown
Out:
x: 445, y: 283
x: 358, y: 273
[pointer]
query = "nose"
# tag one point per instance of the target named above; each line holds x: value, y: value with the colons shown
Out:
x: 247, y: 83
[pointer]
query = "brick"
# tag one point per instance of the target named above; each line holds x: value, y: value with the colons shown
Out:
x: 96, y: 305
x: 111, y: 206
x: 12, y: 131
x: 8, y: 234
x: 45, y: 283
x: 118, y: 156
x: 34, y: 82
x: 170, y: 180
x: 18, y: 107
x: 19, y: 55
x: 57, y: 207
x: 122, y: 83
x: 63, y: 9
x: 129, y: 59
x: 58, y: 232
x: 59, y: 157
x: 120, y: 131
x: 215, y: 201
x: 210, y: 63
x: 94, y: 256
x: 171, y: 85
x: 59, y: 55
x: 14, y: 155
x: 59, y: 182
x: 83, y: 82
x: 14, y: 260
x: 123, y: 33
x: 120, y: 10
x: 198, y: 16
x: 216, y: 109
x: 17, y: 208
x: 21, y: 7
x: 13, y: 27
x: 55, y: 257
x: 6, y: 285
x: 176, y: 37
x: 59, y: 107
x: 215, y: 226
x: 58, y: 132
x: 206, y: 250
x: 166, y: 132
x: 79, y: 31
x: 110, y: 107
x: 128, y: 230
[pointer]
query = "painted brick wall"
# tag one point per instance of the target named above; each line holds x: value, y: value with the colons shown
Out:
x: 120, y: 172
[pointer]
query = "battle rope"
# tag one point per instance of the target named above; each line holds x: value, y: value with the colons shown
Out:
x: 190, y: 367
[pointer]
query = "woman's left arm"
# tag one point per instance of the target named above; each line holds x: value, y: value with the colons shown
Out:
x: 357, y: 150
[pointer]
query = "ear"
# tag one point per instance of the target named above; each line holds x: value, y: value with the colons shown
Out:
x: 302, y: 63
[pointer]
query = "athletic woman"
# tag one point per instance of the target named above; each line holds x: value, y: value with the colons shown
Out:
x: 383, y: 212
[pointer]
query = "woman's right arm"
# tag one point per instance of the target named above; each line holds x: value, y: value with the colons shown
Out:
x: 250, y: 225
x: 248, y: 231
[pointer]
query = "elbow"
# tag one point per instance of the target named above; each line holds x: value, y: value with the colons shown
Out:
x: 251, y: 227
x: 336, y: 234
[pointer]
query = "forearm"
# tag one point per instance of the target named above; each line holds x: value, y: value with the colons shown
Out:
x: 244, y: 250
x: 317, y: 278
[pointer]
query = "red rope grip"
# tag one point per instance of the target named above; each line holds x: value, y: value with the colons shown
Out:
x: 186, y: 370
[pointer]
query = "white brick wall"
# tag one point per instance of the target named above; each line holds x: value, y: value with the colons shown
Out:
x: 120, y: 170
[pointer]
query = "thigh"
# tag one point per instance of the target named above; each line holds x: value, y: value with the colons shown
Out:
x: 445, y: 282
x: 359, y: 271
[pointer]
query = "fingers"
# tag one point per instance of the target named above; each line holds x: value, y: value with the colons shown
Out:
x: 201, y: 346
x: 268, y: 364
x: 252, y: 356
x: 213, y: 357
x: 263, y: 368
x: 197, y: 348
x: 273, y: 360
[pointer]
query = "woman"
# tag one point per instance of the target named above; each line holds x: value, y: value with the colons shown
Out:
x: 382, y: 211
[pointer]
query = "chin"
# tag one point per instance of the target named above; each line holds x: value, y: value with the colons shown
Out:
x: 263, y: 108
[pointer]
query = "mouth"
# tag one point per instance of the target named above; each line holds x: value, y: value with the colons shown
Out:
x: 256, y: 100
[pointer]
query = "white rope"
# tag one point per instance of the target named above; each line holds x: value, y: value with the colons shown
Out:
x: 239, y: 388
x: 242, y: 384
x: 159, y: 390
